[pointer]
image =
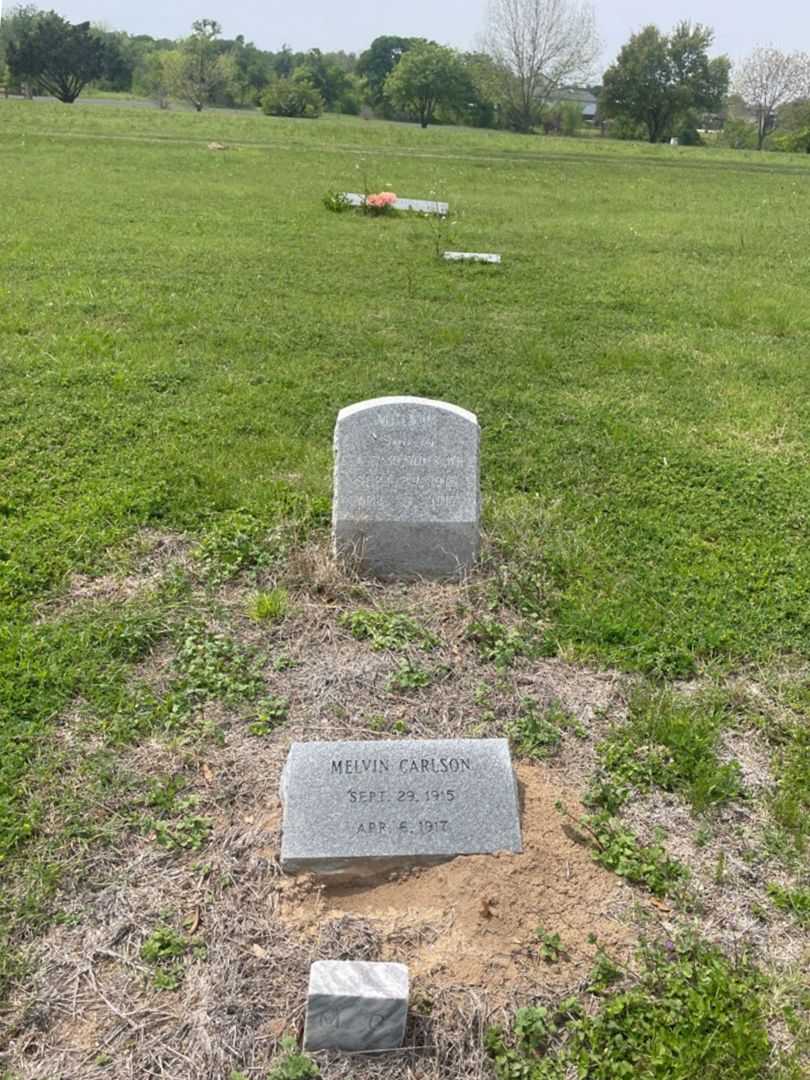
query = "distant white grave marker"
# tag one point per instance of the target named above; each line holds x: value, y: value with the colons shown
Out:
x: 471, y: 256
x: 420, y: 206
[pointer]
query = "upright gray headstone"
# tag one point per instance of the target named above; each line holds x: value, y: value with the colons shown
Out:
x: 357, y: 808
x: 355, y: 1005
x: 406, y: 494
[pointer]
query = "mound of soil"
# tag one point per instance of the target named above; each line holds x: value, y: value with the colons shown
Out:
x: 473, y: 922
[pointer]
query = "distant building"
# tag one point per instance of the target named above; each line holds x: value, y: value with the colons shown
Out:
x: 588, y: 101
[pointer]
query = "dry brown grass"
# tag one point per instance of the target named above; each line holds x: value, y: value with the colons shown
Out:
x: 147, y: 559
x: 465, y: 928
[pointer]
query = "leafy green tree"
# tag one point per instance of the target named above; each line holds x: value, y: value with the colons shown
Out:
x: 794, y: 128
x: 155, y: 76
x: 254, y: 68
x: 738, y: 134
x: 145, y: 50
x: 659, y: 79
x: 563, y: 118
x: 329, y: 79
x: 294, y: 96
x: 201, y: 74
x: 427, y: 76
x: 352, y: 98
x: 284, y: 62
x: 485, y: 100
x: 230, y: 90
x: 379, y: 60
x: 17, y: 21
x: 172, y: 74
x: 120, y: 60
x: 345, y: 61
x: 59, y: 57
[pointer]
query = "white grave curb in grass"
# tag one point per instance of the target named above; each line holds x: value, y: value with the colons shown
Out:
x: 471, y: 256
x: 421, y: 206
x: 356, y: 1006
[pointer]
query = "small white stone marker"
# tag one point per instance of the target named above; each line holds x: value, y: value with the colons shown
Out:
x: 355, y: 1006
x: 471, y: 256
x: 421, y: 206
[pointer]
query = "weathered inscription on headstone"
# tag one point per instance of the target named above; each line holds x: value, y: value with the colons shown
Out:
x: 356, y: 1005
x: 352, y: 806
x: 406, y: 498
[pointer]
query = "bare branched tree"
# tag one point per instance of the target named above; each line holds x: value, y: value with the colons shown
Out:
x: 540, y: 45
x: 769, y: 78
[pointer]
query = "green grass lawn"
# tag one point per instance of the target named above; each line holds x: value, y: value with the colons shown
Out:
x: 180, y: 326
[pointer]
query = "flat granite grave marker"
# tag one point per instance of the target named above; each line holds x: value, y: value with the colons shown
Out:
x: 360, y: 807
x: 420, y: 206
x: 356, y: 1005
x: 472, y: 256
x: 406, y: 488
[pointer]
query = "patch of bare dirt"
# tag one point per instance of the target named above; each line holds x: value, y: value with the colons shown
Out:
x: 473, y: 921
x: 466, y: 929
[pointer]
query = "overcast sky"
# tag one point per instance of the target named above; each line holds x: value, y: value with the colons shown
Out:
x: 352, y: 24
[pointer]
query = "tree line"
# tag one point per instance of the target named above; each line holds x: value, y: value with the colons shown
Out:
x: 661, y: 85
x: 396, y: 77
